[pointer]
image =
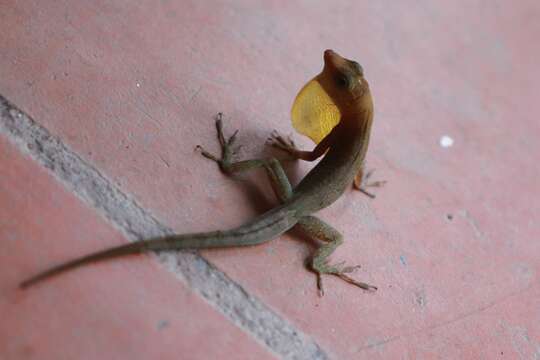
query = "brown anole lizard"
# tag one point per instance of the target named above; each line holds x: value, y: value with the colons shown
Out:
x: 336, y: 110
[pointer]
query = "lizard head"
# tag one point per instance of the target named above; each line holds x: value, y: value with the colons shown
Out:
x: 344, y: 81
x: 339, y: 91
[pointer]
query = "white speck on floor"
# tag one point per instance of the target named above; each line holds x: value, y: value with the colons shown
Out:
x: 446, y: 141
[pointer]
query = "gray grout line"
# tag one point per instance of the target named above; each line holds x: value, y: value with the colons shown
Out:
x: 137, y: 223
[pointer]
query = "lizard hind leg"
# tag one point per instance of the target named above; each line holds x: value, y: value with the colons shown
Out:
x: 227, y: 146
x: 278, y: 179
x: 317, y: 228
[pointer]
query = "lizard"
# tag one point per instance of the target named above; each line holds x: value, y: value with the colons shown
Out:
x: 335, y: 109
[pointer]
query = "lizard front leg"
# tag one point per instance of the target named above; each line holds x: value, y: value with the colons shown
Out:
x: 278, y: 179
x: 317, y: 228
x: 287, y: 144
x: 360, y: 182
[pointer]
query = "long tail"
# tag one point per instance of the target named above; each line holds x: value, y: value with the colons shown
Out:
x: 262, y: 229
x: 132, y: 248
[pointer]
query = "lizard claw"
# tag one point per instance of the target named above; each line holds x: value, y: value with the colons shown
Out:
x: 360, y: 284
x: 227, y: 150
x: 219, y: 128
x: 205, y: 153
x: 378, y: 183
x: 232, y: 139
x: 361, y: 183
x: 278, y: 141
x: 320, y: 285
x: 339, y: 270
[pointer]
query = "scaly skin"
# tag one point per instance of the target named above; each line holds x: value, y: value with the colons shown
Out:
x: 344, y: 150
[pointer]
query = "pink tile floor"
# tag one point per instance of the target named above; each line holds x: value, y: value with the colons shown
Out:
x: 452, y: 241
x: 100, y: 313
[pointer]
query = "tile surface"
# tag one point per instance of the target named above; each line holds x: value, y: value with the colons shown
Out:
x: 115, y: 310
x: 451, y: 241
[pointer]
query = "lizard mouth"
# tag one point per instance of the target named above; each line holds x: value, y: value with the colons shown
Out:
x: 331, y: 57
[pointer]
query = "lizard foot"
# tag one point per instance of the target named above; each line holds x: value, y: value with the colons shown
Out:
x: 340, y: 271
x: 361, y: 183
x: 227, y: 149
x: 280, y: 142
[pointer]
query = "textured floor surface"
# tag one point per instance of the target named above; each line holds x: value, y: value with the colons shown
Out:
x: 103, y: 102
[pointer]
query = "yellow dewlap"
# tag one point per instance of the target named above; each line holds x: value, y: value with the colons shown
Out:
x: 313, y: 113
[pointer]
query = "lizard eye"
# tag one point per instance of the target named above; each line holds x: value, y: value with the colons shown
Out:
x: 342, y: 81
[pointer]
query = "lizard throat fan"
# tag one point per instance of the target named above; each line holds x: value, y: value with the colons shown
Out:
x: 313, y: 113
